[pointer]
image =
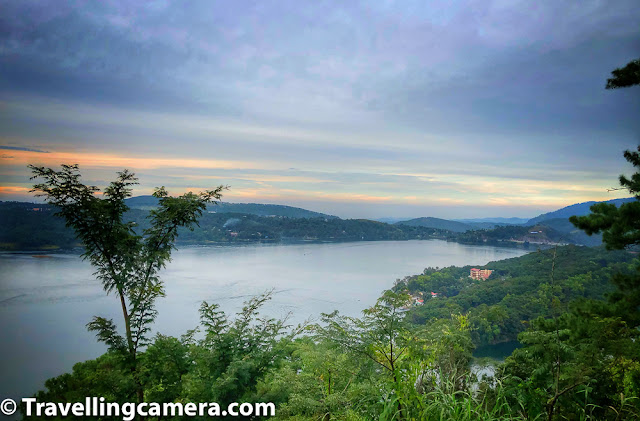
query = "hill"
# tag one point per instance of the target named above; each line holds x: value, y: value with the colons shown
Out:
x: 437, y: 223
x: 579, y: 209
x: 515, y: 234
x: 500, y: 306
x: 148, y: 202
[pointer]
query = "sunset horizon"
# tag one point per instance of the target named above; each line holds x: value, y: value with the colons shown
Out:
x: 477, y: 110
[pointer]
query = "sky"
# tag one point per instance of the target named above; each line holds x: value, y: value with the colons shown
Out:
x: 366, y: 109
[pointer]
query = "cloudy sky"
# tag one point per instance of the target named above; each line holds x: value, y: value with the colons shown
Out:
x: 360, y: 109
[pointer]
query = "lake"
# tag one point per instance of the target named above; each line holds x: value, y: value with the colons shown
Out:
x: 46, y: 301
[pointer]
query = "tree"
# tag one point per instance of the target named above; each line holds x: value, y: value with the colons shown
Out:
x: 620, y: 227
x: 383, y: 335
x: 620, y: 317
x: 126, y: 262
x: 627, y: 76
x: 227, y: 364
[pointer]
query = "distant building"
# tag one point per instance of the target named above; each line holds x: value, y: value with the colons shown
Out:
x: 434, y: 294
x: 417, y: 300
x: 480, y: 273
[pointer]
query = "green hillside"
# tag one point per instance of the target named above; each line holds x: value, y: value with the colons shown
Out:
x: 501, y: 306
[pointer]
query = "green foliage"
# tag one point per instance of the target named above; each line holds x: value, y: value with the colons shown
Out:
x: 624, y: 77
x: 319, y: 381
x: 576, y: 364
x: 107, y: 376
x: 162, y: 367
x: 438, y: 223
x: 620, y: 227
x: 234, y: 355
x: 382, y: 335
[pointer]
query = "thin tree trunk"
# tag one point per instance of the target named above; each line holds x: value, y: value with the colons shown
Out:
x: 132, y: 351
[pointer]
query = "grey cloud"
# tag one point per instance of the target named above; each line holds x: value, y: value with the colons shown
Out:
x: 479, y: 88
x: 306, y: 59
x: 20, y: 148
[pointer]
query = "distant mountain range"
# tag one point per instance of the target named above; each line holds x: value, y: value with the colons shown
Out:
x: 454, y: 225
x: 557, y: 220
x: 148, y: 202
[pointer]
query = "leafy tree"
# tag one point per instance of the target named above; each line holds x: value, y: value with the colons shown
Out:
x: 107, y: 376
x: 234, y: 355
x: 320, y: 381
x: 592, y: 349
x: 162, y: 367
x: 620, y: 226
x: 627, y: 76
x: 382, y: 335
x: 127, y: 263
x: 444, y: 351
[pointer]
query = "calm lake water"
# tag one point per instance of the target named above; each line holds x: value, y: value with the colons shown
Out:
x: 45, y: 302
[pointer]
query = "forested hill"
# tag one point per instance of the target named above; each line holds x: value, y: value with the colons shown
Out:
x: 148, y: 202
x: 516, y: 291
